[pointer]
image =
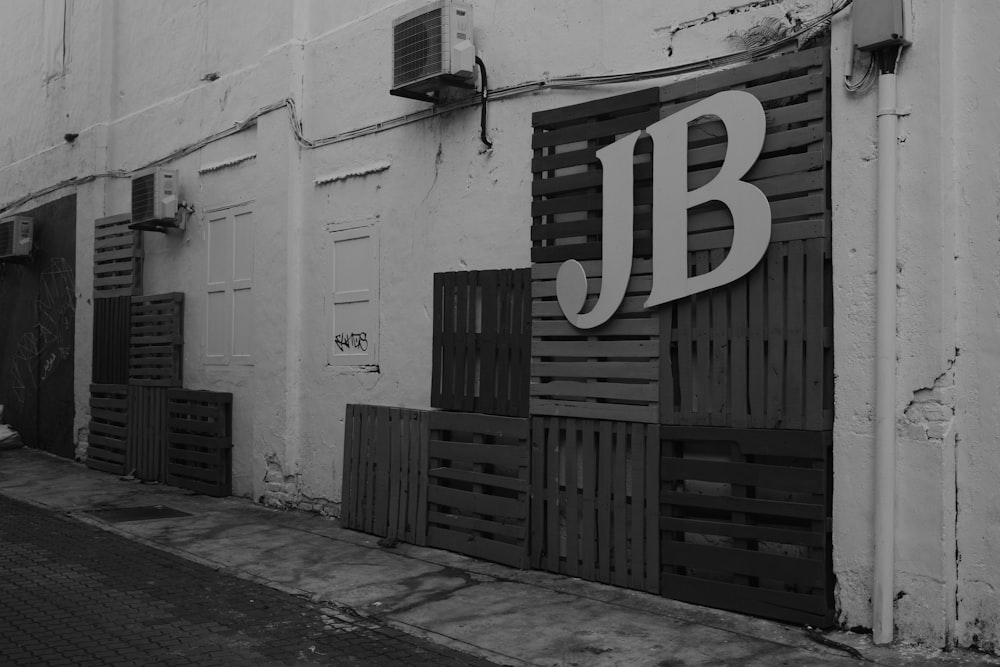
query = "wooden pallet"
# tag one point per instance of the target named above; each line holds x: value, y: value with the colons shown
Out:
x: 385, y: 472
x: 745, y: 521
x: 758, y: 352
x: 111, y: 340
x: 117, y: 258
x: 609, y: 372
x: 156, y: 340
x: 478, y: 486
x: 107, y: 431
x: 200, y: 441
x: 482, y: 329
x: 146, y: 452
x: 594, y: 509
x: 754, y: 353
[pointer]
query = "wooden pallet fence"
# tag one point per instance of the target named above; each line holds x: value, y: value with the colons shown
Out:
x: 587, y: 373
x: 111, y: 340
x: 478, y: 486
x: 745, y: 521
x: 758, y: 352
x: 482, y: 329
x: 595, y: 494
x: 156, y: 340
x: 200, y: 441
x: 609, y: 372
x: 107, y: 431
x: 146, y: 451
x: 117, y: 258
x: 385, y: 472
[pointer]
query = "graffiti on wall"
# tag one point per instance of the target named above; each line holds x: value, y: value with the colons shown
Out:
x: 49, y: 343
x: 351, y: 341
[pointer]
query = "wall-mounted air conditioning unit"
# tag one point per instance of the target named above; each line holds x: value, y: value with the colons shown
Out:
x: 154, y: 200
x: 16, y: 238
x: 432, y: 50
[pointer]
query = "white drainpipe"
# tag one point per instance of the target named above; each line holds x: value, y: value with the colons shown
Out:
x: 885, y: 366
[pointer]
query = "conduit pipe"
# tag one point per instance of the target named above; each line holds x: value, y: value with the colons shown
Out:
x: 885, y: 359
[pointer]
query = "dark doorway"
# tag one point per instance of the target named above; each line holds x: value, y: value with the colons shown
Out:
x: 37, y: 328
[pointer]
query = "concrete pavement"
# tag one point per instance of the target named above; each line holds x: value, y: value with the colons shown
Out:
x: 508, y: 616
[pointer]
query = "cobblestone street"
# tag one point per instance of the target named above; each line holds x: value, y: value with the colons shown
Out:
x: 73, y: 594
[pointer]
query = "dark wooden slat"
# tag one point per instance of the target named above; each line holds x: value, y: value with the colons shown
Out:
x: 770, y: 442
x: 604, y: 500
x: 815, y: 290
x: 437, y: 342
x: 751, y: 474
x: 586, y: 110
x: 487, y: 396
x: 747, y: 505
x: 636, y: 459
x: 476, y: 503
x: 510, y: 455
x: 538, y: 497
x: 775, y: 337
x: 492, y: 425
x: 794, y: 326
x: 710, y: 83
x: 797, y: 608
x: 754, y: 563
x: 515, y: 531
x: 652, y: 583
x: 619, y: 499
x: 744, y: 531
x: 572, y: 499
x: 475, y: 545
x: 552, y: 451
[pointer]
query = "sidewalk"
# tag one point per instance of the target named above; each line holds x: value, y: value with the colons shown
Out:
x: 508, y: 616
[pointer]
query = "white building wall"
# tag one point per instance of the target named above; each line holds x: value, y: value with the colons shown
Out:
x: 140, y: 82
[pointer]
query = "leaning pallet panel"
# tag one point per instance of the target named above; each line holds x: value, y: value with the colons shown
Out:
x: 482, y: 325
x: 200, y: 441
x: 610, y: 372
x: 146, y: 451
x: 107, y: 431
x: 117, y: 258
x: 758, y: 352
x: 702, y: 349
x: 478, y: 486
x: 595, y: 500
x: 156, y: 340
x: 745, y: 521
x: 385, y: 472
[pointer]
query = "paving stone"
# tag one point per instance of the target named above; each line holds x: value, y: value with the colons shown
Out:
x: 74, y: 594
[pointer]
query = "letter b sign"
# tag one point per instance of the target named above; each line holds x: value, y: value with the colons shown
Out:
x: 743, y: 117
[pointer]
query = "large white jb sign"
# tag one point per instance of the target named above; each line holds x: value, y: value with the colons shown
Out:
x: 743, y: 117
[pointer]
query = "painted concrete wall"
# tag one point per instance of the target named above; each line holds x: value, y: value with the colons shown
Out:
x: 947, y: 568
x: 139, y: 82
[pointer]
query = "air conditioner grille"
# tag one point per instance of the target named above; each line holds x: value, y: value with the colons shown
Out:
x: 6, y: 238
x: 143, y: 197
x: 417, y: 47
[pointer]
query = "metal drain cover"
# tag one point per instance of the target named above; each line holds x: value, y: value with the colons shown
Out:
x: 121, y: 514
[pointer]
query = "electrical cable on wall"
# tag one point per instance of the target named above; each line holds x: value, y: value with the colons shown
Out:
x: 482, y: 116
x: 805, y: 30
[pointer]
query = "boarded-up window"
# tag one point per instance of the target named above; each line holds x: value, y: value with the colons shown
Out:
x: 229, y: 316
x: 352, y: 299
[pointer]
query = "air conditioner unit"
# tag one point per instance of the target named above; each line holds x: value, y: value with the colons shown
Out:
x: 16, y: 238
x: 154, y: 199
x: 432, y: 50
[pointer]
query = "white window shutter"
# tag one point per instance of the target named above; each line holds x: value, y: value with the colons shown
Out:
x: 352, y: 301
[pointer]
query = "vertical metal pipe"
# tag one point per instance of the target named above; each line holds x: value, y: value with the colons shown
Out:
x: 885, y: 366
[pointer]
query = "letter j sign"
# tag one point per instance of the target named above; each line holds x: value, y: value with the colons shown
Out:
x: 743, y: 117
